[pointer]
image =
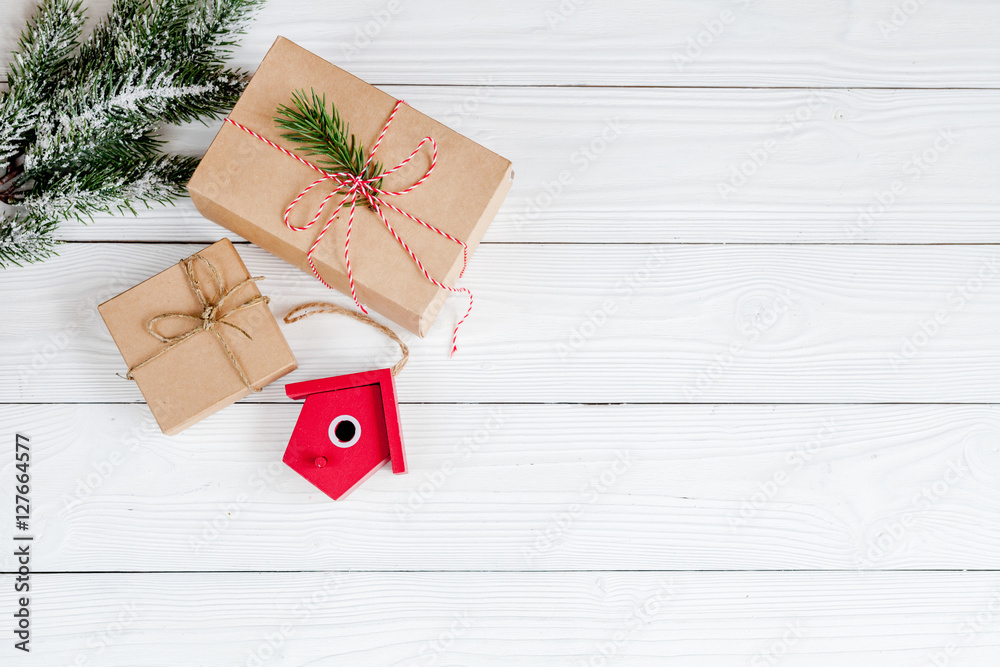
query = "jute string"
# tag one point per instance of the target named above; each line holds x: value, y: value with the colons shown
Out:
x: 212, y: 314
x: 303, y: 311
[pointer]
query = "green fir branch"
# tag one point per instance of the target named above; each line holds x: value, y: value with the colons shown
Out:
x: 79, y: 122
x: 42, y: 54
x: 107, y: 188
x: 26, y: 237
x: 320, y: 130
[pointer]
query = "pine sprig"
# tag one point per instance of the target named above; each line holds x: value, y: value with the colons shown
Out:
x: 42, y: 54
x: 26, y: 236
x: 79, y: 122
x: 321, y: 131
x: 107, y: 188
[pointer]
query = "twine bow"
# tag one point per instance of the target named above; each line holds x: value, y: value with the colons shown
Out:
x: 212, y: 315
x: 355, y: 187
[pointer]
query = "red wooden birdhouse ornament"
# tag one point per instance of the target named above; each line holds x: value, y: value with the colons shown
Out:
x: 349, y: 425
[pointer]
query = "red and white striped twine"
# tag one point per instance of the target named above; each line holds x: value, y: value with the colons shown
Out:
x: 352, y: 187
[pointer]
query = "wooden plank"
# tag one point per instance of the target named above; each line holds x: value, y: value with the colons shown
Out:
x: 814, y: 619
x: 633, y: 42
x: 516, y: 487
x: 503, y: 477
x: 786, y: 166
x: 584, y: 323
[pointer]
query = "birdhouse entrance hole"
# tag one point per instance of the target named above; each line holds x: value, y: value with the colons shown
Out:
x: 344, y: 431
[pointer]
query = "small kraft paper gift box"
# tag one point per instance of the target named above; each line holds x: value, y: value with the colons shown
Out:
x: 396, y: 236
x: 197, y: 337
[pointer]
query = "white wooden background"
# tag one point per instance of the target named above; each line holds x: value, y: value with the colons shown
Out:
x: 697, y: 418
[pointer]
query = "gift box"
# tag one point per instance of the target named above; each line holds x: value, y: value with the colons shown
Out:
x: 249, y: 177
x: 197, y: 337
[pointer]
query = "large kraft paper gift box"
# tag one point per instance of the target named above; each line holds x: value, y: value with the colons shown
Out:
x: 246, y: 185
x: 191, y: 348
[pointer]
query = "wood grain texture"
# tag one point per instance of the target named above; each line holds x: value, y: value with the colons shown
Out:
x: 633, y: 42
x: 786, y: 166
x: 584, y: 323
x: 807, y: 619
x: 643, y: 424
x: 516, y: 487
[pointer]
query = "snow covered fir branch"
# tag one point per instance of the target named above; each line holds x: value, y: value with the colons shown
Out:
x: 79, y: 118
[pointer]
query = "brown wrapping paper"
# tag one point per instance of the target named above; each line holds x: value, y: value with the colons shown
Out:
x: 245, y: 185
x: 196, y: 377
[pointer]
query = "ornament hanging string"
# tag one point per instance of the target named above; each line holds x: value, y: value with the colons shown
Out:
x: 353, y: 187
x: 317, y: 307
x: 210, y: 317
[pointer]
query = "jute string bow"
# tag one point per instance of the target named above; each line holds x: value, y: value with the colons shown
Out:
x: 317, y: 307
x: 209, y: 320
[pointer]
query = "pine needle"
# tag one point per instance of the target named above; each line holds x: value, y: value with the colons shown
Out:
x: 320, y: 130
x: 79, y: 121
